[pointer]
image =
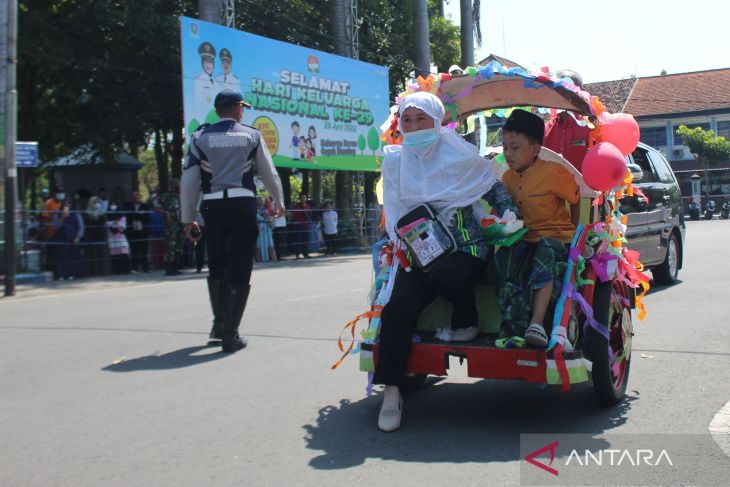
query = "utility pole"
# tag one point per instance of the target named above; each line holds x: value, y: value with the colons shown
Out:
x: 467, y: 35
x: 421, y: 34
x: 8, y: 51
x: 467, y: 47
x: 341, y: 10
x: 210, y: 11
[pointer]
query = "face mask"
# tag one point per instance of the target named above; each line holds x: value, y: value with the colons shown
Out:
x: 421, y: 140
x: 60, y: 196
x: 113, y: 207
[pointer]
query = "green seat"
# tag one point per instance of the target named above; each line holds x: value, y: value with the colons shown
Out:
x: 438, y: 313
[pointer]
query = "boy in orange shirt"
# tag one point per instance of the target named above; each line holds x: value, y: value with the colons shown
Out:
x: 530, y: 269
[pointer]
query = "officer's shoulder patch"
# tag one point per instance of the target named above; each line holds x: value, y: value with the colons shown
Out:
x: 251, y: 127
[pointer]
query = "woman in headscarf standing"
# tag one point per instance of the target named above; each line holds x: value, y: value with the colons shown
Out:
x: 433, y: 166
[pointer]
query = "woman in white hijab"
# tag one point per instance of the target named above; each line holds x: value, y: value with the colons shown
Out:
x: 434, y: 165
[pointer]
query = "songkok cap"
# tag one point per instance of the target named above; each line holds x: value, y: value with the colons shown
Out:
x: 227, y: 98
x: 575, y: 77
x: 206, y: 50
x: 225, y: 55
x: 523, y: 122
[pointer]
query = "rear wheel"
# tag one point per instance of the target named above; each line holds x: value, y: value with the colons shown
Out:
x: 611, y: 358
x: 667, y: 272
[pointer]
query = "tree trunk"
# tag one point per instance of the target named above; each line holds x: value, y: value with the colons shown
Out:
x: 305, y: 182
x: 343, y: 198
x: 317, y: 188
x: 176, y: 163
x: 162, y: 172
x: 284, y: 175
x: 177, y: 145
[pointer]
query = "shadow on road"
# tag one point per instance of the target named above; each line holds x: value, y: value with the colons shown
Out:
x: 458, y: 423
x: 657, y: 288
x: 185, y: 357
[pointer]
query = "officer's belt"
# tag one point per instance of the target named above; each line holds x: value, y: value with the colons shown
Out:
x: 229, y: 193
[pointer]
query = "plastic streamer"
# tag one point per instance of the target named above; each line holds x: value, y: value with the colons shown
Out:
x: 373, y: 313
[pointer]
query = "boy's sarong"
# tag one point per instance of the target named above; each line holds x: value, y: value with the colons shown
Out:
x: 522, y: 269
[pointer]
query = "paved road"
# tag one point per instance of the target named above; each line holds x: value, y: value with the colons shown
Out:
x: 177, y: 413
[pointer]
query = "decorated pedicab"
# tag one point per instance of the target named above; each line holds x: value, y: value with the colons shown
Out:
x: 602, y: 287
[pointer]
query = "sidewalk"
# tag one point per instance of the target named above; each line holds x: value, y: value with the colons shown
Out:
x: 29, y: 288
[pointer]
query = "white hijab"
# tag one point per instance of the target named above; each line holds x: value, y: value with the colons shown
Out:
x: 449, y: 175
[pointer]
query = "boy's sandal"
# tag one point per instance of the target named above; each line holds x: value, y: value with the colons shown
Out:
x: 536, y: 336
x: 510, y: 342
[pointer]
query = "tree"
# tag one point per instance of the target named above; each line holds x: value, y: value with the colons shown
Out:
x: 708, y: 148
x: 361, y: 143
x: 103, y: 73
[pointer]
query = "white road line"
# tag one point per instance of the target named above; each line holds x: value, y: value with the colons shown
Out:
x: 720, y: 428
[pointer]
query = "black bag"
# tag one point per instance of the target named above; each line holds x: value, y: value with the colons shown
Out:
x: 425, y: 236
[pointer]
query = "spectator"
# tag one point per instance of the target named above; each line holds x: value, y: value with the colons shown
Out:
x: 157, y: 233
x: 118, y: 244
x: 104, y: 199
x: 265, y: 244
x: 301, y: 219
x: 138, y: 218
x: 174, y: 238
x: 50, y: 208
x: 68, y: 230
x: 96, y: 247
x: 279, y: 235
x: 329, y: 228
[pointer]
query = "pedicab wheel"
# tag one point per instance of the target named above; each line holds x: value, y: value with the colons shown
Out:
x: 413, y: 382
x: 611, y: 359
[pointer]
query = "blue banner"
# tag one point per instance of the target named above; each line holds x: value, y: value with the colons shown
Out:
x: 315, y: 110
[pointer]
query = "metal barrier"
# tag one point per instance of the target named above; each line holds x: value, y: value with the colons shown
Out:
x: 45, y: 246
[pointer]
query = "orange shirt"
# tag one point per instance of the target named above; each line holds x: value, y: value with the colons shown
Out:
x: 540, y: 193
x: 50, y: 207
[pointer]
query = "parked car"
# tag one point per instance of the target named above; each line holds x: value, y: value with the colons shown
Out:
x: 656, y: 225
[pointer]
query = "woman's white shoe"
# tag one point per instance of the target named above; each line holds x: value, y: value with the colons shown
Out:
x: 390, y: 414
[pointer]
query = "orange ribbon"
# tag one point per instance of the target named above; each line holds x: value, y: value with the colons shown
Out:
x: 373, y: 313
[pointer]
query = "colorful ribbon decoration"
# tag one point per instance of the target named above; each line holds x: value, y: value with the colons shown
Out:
x: 373, y: 313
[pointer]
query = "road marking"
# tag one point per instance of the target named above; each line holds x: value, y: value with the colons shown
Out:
x: 720, y: 428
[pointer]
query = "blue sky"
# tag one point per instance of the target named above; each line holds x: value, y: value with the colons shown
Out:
x: 606, y: 40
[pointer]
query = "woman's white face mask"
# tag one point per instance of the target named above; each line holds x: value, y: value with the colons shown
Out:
x: 421, y: 141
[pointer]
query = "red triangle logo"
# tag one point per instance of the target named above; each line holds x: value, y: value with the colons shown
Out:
x: 551, y: 448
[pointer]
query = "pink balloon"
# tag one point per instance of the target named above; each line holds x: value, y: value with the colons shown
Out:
x: 604, y: 167
x: 621, y: 130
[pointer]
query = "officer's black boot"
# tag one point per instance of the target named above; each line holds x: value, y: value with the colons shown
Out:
x: 217, y: 293
x: 236, y: 298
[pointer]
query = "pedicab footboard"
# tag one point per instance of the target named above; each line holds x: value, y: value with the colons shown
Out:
x: 431, y: 357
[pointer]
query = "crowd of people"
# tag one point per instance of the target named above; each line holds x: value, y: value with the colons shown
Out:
x: 84, y: 235
x: 89, y: 234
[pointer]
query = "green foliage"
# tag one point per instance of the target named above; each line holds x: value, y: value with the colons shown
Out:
x: 444, y: 38
x: 709, y: 148
x: 361, y: 143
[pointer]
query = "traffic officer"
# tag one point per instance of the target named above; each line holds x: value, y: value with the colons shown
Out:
x: 206, y: 86
x: 227, y: 79
x: 221, y: 161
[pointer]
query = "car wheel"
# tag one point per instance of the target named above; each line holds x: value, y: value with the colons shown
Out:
x: 667, y: 272
x: 611, y: 359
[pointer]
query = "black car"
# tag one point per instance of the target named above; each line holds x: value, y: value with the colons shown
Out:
x: 656, y: 220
